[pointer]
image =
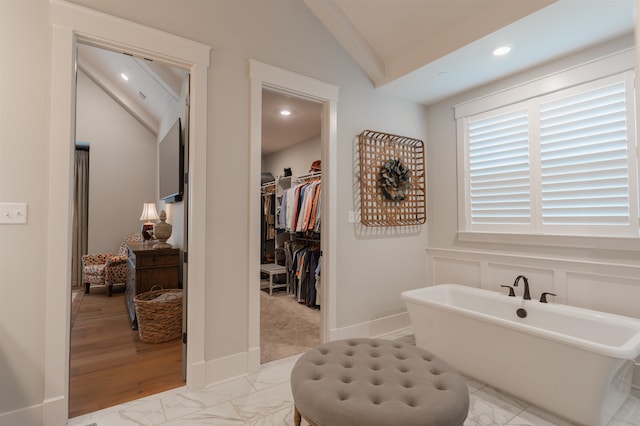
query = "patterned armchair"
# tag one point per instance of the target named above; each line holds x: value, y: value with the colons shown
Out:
x: 107, y: 269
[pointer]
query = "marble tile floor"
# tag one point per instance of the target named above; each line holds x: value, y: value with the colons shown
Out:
x: 264, y: 399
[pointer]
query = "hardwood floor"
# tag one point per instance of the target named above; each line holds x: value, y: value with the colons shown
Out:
x: 109, y: 364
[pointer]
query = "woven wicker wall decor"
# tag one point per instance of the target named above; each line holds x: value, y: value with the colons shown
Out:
x: 389, y: 194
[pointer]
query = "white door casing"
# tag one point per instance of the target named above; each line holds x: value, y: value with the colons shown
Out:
x: 72, y: 23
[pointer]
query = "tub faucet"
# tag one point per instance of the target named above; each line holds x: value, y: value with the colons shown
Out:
x: 526, y: 295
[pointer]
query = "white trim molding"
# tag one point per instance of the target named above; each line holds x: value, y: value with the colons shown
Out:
x: 598, y: 285
x: 375, y: 328
x: 284, y: 81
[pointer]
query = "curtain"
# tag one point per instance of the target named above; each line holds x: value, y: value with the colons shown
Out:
x: 80, y: 213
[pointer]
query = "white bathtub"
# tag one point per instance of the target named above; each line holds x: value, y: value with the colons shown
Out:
x: 574, y: 362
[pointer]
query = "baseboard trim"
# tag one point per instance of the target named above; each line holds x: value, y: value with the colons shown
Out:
x: 54, y: 411
x: 28, y: 416
x: 225, y: 368
x: 254, y: 360
x: 196, y: 379
x: 373, y: 328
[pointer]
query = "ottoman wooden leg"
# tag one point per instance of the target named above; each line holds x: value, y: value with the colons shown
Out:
x: 297, y: 418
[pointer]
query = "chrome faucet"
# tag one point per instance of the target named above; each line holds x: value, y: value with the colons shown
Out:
x: 526, y: 295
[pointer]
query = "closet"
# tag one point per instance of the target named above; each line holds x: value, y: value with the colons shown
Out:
x: 291, y: 222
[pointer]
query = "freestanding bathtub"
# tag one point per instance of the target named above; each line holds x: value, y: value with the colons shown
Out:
x: 574, y: 362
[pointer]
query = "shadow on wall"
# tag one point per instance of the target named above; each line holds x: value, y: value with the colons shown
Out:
x: 13, y: 393
x: 375, y: 232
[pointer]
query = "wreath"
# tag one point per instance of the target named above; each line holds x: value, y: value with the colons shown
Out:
x: 395, y: 179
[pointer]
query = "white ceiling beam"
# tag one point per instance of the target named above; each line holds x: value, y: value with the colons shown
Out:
x: 349, y: 37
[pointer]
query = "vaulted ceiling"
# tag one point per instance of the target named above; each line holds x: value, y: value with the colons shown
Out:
x: 420, y: 50
x: 427, y: 50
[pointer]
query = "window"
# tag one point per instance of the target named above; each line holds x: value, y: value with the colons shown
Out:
x: 564, y: 163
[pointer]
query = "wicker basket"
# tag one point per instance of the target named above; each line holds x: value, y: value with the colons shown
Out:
x: 159, y: 320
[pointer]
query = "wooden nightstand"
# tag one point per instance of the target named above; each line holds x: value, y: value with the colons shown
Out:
x: 148, y: 267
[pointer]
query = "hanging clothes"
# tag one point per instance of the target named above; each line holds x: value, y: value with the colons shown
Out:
x: 302, y: 262
x: 300, y: 209
x: 268, y: 212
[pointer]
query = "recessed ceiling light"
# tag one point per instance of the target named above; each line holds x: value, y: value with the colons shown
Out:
x: 502, y: 50
x: 285, y: 112
x: 124, y: 76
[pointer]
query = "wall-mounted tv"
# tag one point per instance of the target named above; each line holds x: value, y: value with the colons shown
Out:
x: 171, y: 164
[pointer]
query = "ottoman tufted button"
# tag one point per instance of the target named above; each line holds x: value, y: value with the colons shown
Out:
x: 346, y: 379
x: 377, y: 383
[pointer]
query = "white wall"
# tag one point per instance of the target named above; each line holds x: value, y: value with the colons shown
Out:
x: 25, y: 84
x: 298, y: 157
x: 122, y: 170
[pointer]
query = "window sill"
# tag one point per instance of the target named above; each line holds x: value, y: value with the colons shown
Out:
x: 584, y: 242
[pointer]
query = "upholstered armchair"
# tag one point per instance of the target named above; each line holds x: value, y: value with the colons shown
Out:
x: 107, y: 269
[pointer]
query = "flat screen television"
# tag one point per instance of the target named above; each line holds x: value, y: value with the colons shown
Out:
x: 171, y: 164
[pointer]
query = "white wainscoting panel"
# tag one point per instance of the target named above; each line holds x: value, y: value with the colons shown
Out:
x: 604, y: 293
x: 446, y: 270
x: 600, y: 286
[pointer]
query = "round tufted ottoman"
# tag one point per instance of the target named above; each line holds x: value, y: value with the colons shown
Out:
x: 376, y: 382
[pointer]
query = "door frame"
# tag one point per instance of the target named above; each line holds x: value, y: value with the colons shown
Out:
x: 264, y: 76
x: 71, y: 23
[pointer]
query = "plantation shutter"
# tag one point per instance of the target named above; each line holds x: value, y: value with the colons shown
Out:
x: 499, y: 181
x: 584, y: 158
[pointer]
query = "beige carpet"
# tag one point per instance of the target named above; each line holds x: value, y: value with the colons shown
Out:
x: 286, y: 327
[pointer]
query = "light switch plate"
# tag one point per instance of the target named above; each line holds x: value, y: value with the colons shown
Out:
x: 13, y: 213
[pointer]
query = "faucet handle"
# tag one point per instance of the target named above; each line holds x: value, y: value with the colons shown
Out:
x: 511, y: 292
x: 543, y: 297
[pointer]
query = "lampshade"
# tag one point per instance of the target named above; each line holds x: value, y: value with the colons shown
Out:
x: 149, y: 212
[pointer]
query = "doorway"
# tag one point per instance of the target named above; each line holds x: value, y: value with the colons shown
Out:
x: 123, y: 105
x: 290, y: 238
x: 284, y: 82
x: 70, y: 25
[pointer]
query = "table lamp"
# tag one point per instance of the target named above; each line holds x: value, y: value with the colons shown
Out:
x: 149, y: 213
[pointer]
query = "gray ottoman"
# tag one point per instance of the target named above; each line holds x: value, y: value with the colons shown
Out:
x: 377, y: 382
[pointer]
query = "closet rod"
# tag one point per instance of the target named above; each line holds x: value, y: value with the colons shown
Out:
x: 309, y: 176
